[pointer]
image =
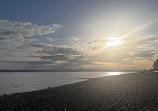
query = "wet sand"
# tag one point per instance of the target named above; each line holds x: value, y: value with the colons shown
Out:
x: 131, y: 92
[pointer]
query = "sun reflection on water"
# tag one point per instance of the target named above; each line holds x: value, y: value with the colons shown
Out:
x: 114, y: 73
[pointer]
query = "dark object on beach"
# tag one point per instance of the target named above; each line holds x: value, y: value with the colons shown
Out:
x: 155, y: 65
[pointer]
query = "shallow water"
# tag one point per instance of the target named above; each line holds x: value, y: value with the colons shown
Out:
x: 12, y: 82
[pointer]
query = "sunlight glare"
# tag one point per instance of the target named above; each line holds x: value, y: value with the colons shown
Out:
x: 113, y: 73
x: 113, y: 42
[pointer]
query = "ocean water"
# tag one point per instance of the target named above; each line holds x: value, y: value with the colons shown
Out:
x: 12, y: 82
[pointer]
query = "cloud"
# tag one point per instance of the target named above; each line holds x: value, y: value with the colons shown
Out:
x: 23, y: 49
x: 19, y: 30
x: 58, y: 54
x: 50, y: 39
x: 74, y: 39
x: 32, y: 40
x: 24, y: 64
x: 53, y: 58
x: 59, y: 50
x: 47, y: 57
x: 30, y: 46
x: 148, y: 40
x: 144, y: 55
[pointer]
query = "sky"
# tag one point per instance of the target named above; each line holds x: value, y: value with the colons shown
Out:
x: 78, y: 34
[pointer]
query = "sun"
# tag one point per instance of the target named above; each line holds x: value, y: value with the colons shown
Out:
x: 114, y: 41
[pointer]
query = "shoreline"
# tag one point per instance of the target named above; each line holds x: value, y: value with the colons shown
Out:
x: 135, y: 91
x: 22, y: 89
x: 69, y: 84
x: 49, y: 87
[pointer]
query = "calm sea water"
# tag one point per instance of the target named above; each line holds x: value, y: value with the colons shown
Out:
x: 12, y: 82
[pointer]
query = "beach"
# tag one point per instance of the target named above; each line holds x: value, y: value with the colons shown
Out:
x: 128, y: 92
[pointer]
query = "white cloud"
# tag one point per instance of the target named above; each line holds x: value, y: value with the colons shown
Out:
x: 74, y: 39
x: 50, y: 39
x: 19, y: 30
x: 32, y: 40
